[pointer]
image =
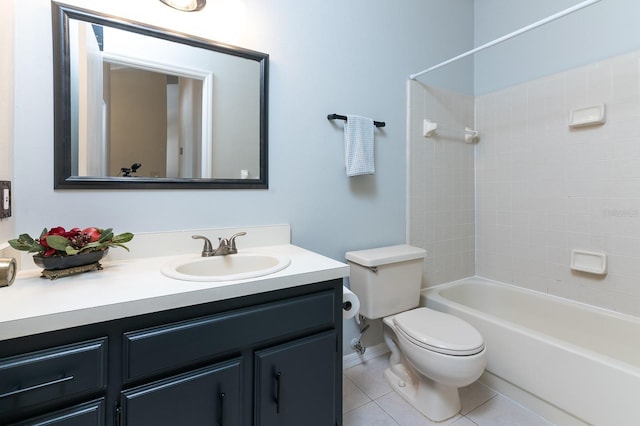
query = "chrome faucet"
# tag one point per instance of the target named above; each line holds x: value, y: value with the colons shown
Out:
x: 207, y: 250
x: 232, y: 242
x: 225, y: 246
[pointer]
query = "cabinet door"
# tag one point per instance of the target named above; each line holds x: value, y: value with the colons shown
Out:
x: 296, y: 383
x: 208, y: 396
x: 89, y: 414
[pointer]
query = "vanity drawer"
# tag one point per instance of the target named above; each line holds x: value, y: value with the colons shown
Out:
x: 88, y: 414
x: 171, y: 346
x: 52, y: 374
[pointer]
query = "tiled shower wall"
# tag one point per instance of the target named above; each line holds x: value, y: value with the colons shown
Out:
x: 543, y: 189
x: 441, y: 184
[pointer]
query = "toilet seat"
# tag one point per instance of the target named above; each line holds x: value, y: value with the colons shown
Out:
x: 439, y: 332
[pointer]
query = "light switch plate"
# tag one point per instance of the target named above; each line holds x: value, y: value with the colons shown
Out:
x: 5, y: 199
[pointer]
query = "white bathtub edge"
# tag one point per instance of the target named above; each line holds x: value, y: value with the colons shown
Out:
x: 608, y: 388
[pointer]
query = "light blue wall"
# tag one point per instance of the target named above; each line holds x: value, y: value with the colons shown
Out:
x: 605, y: 29
x: 326, y: 56
x: 332, y: 56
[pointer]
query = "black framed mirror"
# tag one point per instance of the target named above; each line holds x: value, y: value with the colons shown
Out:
x: 142, y: 107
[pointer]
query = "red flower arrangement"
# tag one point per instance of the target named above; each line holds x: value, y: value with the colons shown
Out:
x: 60, y: 242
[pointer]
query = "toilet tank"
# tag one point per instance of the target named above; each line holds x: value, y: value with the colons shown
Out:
x: 387, y: 280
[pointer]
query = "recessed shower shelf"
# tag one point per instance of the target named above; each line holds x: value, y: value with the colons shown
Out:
x: 587, y: 116
x: 589, y: 261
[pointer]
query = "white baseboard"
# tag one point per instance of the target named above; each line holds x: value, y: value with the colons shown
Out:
x: 354, y: 358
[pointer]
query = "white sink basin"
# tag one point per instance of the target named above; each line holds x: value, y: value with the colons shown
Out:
x: 231, y: 267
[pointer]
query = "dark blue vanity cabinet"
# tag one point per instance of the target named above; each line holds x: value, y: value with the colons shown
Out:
x: 57, y: 373
x: 89, y: 414
x: 214, y: 398
x: 294, y: 384
x: 269, y: 359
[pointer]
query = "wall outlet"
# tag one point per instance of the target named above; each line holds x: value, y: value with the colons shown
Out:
x: 5, y: 199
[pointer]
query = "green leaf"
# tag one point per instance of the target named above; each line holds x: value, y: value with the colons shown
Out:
x: 37, y: 248
x: 26, y: 238
x: 58, y: 242
x: 93, y: 245
x: 106, y: 235
x: 70, y: 250
x: 123, y: 238
x: 120, y: 245
x: 20, y: 245
x: 25, y: 243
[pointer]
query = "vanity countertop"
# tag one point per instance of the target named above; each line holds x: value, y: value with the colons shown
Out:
x: 134, y: 287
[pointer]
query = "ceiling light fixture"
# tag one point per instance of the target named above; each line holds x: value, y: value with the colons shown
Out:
x: 186, y: 5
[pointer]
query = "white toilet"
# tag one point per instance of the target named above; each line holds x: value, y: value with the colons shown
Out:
x: 432, y: 353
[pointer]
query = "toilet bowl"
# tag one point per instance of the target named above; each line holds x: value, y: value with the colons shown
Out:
x: 432, y: 353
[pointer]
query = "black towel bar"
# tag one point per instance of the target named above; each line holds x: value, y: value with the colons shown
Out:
x: 344, y: 117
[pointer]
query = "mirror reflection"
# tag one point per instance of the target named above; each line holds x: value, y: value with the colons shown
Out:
x: 151, y: 119
x: 147, y: 106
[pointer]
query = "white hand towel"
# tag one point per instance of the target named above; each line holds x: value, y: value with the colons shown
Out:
x: 358, y: 145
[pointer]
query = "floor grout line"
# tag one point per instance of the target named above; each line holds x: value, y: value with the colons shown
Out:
x: 364, y: 381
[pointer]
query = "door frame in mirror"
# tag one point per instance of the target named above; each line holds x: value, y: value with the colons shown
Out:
x: 63, y: 178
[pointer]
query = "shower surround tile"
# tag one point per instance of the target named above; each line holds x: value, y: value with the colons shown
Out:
x: 543, y: 189
x: 441, y: 199
x: 512, y: 206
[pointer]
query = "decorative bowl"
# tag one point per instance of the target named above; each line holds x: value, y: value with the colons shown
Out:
x: 64, y: 262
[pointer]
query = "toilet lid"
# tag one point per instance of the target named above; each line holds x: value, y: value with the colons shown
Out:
x: 439, y: 332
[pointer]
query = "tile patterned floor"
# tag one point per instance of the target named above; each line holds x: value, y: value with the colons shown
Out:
x: 369, y: 401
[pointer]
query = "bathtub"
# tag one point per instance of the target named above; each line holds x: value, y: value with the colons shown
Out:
x: 570, y: 362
